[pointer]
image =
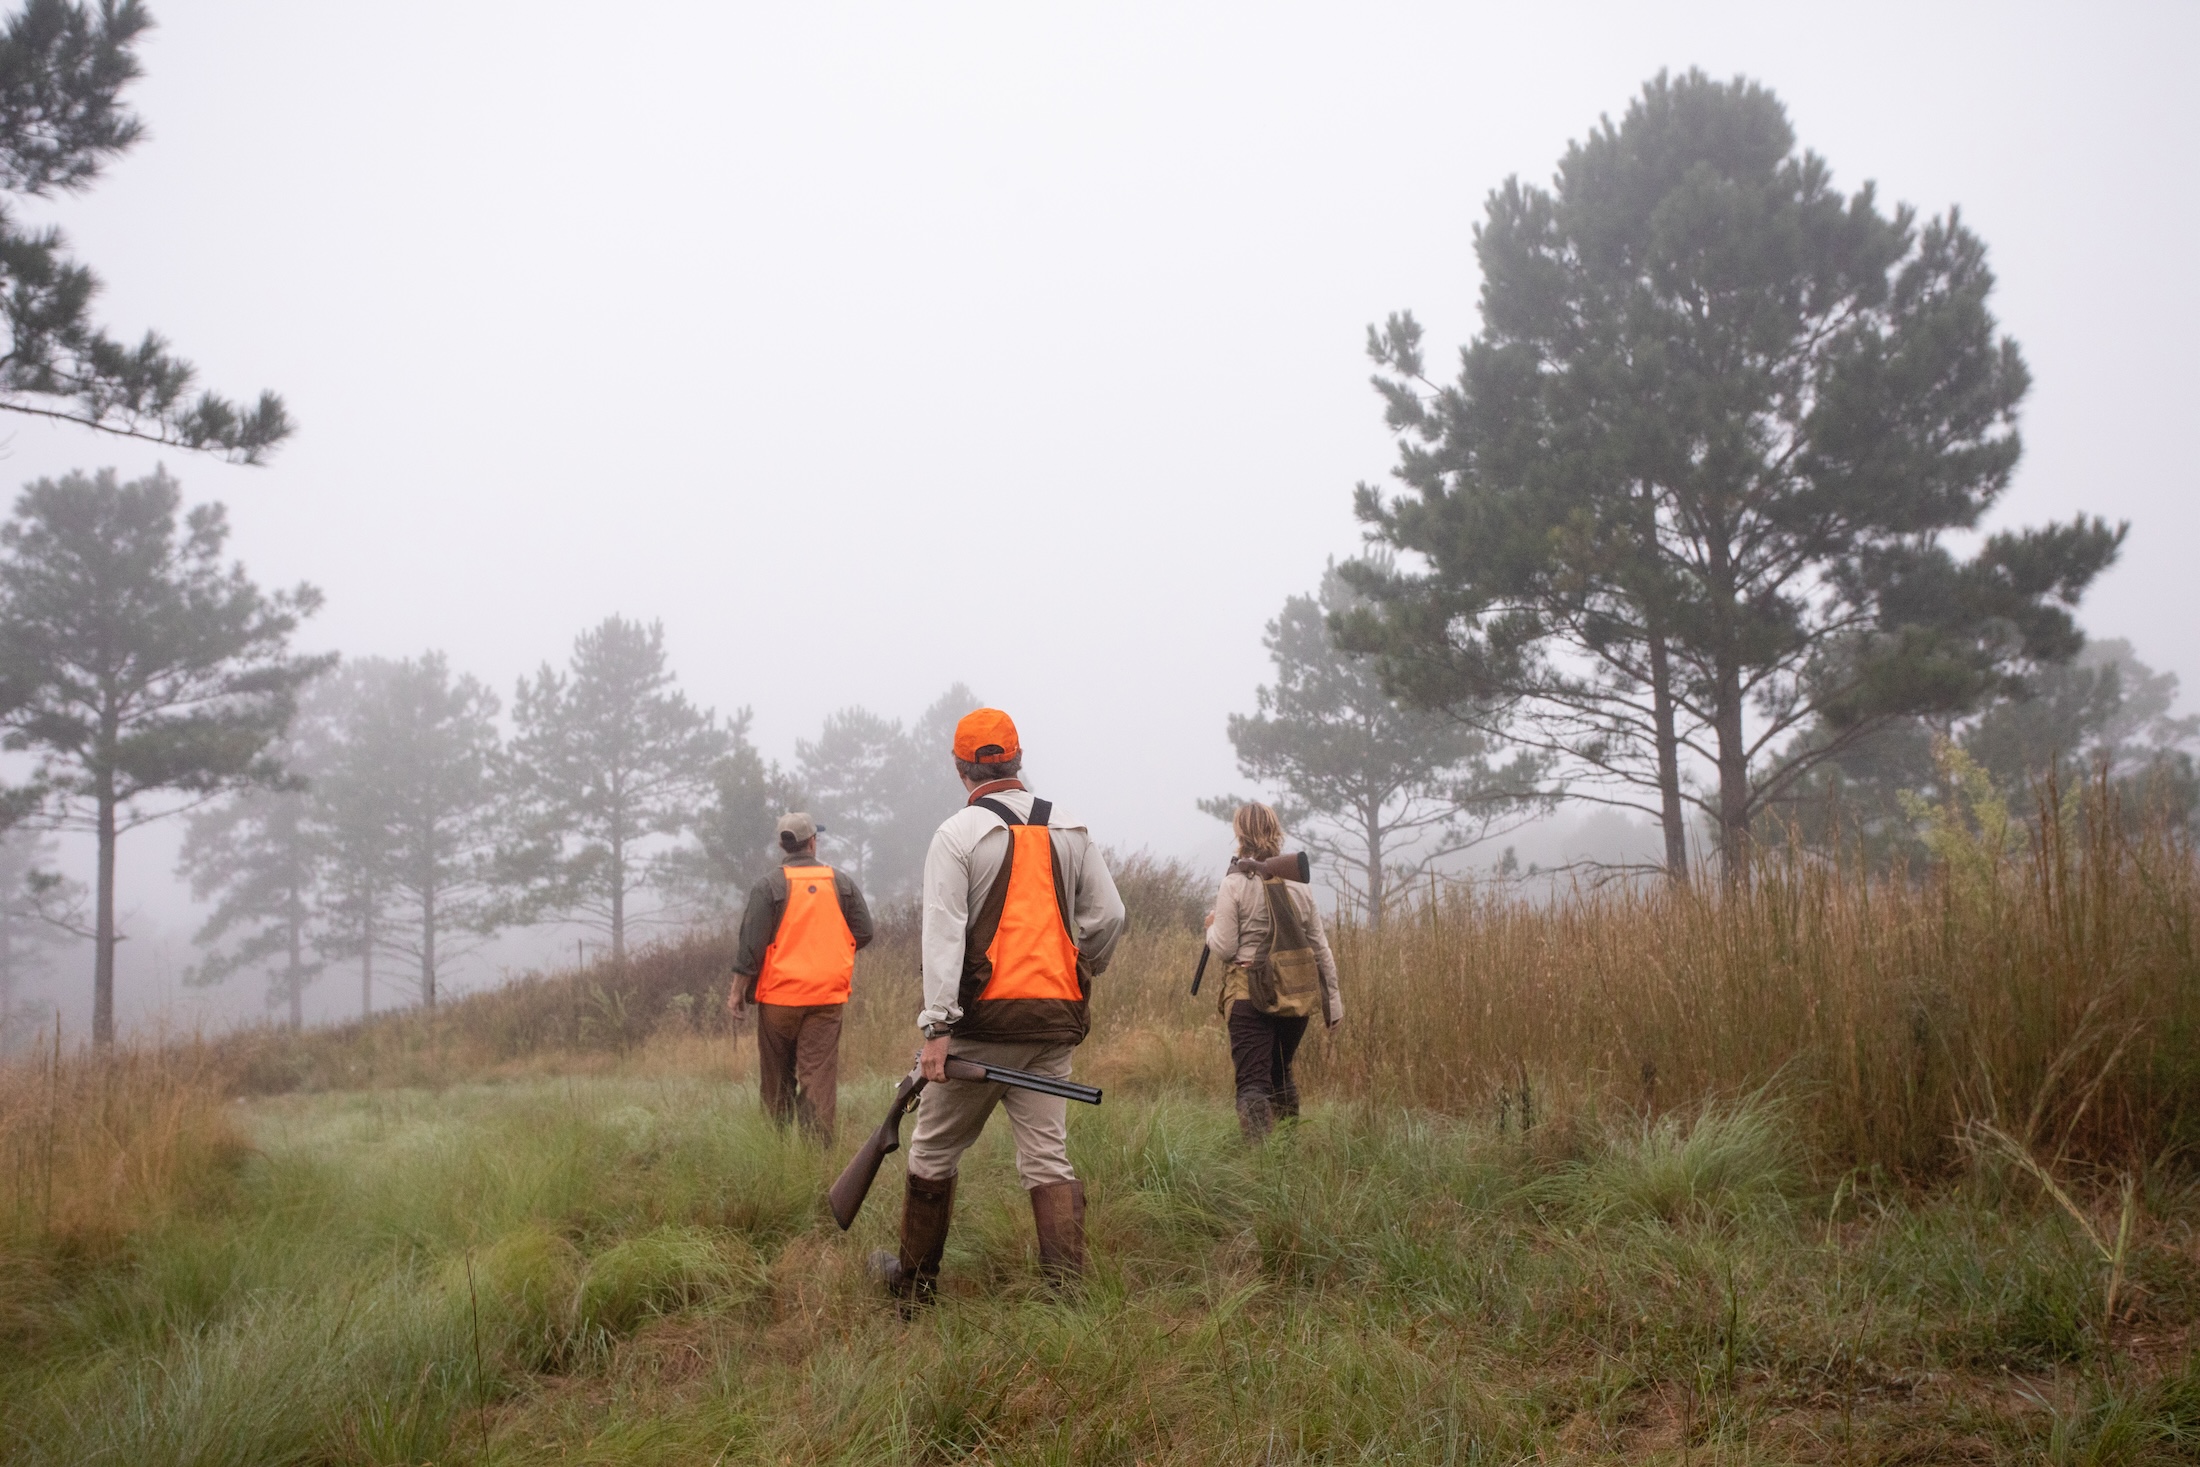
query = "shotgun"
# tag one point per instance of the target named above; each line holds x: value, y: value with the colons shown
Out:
x: 854, y: 1183
x: 1294, y: 867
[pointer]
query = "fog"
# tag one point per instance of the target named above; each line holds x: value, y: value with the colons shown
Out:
x: 872, y: 349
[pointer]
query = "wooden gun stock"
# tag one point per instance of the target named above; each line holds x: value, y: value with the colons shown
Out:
x: 846, y: 1194
x: 1294, y: 867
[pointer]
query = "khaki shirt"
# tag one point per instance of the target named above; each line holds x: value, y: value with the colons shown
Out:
x: 1240, y: 931
x: 959, y: 869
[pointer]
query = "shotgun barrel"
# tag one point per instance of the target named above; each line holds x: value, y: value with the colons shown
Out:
x: 846, y: 1195
x: 959, y: 1068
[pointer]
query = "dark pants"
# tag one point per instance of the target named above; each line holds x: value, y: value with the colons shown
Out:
x: 1261, y: 1049
x: 798, y: 1064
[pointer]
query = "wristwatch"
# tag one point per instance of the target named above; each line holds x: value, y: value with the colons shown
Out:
x: 934, y: 1031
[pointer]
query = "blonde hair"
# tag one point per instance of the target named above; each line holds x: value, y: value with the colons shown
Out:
x: 1259, y: 833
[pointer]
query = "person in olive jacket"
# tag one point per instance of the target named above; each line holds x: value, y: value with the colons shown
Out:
x: 795, y: 966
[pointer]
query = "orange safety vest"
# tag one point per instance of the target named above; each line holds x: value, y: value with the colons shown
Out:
x: 813, y: 955
x: 1023, y: 977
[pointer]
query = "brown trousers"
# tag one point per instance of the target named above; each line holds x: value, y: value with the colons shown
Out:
x: 1262, y: 1047
x: 798, y: 1064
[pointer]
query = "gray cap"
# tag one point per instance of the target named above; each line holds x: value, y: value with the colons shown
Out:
x: 798, y: 824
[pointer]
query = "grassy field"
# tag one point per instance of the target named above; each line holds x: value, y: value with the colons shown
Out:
x: 1834, y: 1171
x: 632, y: 1268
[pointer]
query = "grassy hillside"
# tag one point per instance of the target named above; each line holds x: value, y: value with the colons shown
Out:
x: 632, y: 1268
x: 1833, y: 1170
x: 2053, y: 992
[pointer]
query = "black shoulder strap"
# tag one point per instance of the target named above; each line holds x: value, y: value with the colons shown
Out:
x: 1040, y: 810
x: 1007, y: 815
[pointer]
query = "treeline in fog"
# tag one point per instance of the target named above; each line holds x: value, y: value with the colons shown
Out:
x: 1696, y: 532
x: 381, y: 815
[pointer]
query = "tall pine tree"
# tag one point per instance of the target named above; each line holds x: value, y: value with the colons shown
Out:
x: 155, y: 676
x: 408, y: 810
x: 1688, y: 496
x: 608, y: 759
x: 257, y: 856
x: 1382, y: 791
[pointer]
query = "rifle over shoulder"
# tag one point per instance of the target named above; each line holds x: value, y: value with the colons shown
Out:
x: 1296, y: 866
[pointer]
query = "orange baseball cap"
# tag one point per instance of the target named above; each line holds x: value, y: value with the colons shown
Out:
x: 987, y: 736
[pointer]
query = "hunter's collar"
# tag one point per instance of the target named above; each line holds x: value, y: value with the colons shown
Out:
x: 993, y: 787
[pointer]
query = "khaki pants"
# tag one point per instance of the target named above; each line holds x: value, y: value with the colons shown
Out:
x: 952, y: 1113
x: 798, y: 1064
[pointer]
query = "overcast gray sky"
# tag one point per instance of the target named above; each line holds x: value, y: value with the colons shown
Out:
x: 876, y: 347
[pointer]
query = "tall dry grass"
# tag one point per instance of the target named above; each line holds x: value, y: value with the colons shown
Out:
x: 2056, y: 997
x: 93, y: 1147
x: 2053, y: 992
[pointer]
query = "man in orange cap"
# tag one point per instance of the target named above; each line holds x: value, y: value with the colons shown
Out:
x: 1019, y: 914
x: 795, y: 963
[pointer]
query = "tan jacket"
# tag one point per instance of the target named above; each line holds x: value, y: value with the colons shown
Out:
x: 1240, y: 931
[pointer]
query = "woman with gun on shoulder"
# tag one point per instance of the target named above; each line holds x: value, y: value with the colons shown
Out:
x: 1266, y: 927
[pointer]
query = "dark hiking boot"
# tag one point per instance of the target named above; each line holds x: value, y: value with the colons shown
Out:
x: 1255, y: 1118
x: 913, y: 1278
x: 1058, y: 1212
x: 1284, y: 1103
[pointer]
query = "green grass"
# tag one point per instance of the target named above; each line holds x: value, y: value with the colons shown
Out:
x: 638, y: 1269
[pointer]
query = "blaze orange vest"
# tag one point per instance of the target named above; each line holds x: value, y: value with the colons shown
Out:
x: 813, y: 955
x: 1022, y: 974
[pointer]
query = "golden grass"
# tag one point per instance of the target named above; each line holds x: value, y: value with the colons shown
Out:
x: 2057, y: 1001
x: 2060, y: 1001
x: 93, y: 1147
x: 1678, y: 1217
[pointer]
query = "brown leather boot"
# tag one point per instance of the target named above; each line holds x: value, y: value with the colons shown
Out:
x: 926, y: 1207
x: 1255, y: 1118
x: 1058, y: 1212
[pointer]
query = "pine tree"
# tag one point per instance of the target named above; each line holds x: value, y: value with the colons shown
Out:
x: 263, y: 857
x: 63, y: 68
x: 257, y: 857
x: 408, y: 811
x: 1382, y: 792
x: 922, y: 790
x: 605, y: 758
x: 40, y: 914
x: 849, y: 772
x: 154, y: 676
x: 354, y: 821
x: 1688, y: 496
x: 882, y: 788
x: 734, y: 830
x: 2103, y: 713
